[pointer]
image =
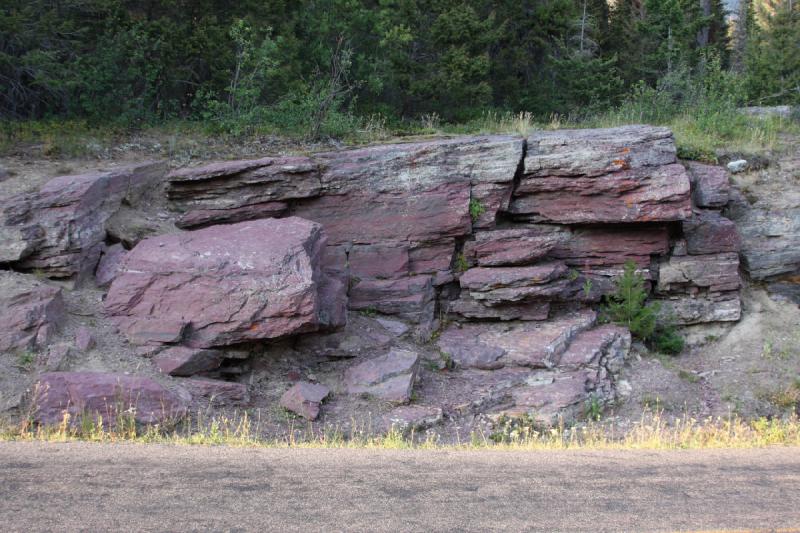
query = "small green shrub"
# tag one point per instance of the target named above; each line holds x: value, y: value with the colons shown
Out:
x: 627, y: 307
x: 668, y: 341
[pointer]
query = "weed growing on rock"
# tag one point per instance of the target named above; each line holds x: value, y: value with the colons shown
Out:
x: 476, y: 209
x: 461, y: 263
x: 25, y: 360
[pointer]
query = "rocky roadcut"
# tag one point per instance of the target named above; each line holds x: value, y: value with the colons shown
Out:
x: 456, y: 274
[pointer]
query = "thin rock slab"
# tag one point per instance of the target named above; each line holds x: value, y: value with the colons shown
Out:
x: 228, y: 191
x: 659, y: 194
x: 684, y: 310
x: 224, y: 285
x: 388, y: 377
x: 185, y: 361
x: 305, y: 399
x: 595, y: 152
x: 770, y: 240
x: 607, y: 345
x: 562, y: 397
x: 711, y: 272
x: 469, y: 308
x: 534, y: 344
x: 30, y: 312
x: 106, y: 395
x: 514, y: 246
x: 216, y: 392
x: 110, y: 264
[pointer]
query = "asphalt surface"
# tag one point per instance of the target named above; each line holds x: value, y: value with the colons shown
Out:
x: 93, y: 487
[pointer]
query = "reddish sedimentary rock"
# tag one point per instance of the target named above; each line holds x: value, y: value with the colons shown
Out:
x: 224, y: 285
x: 98, y: 394
x: 598, y: 248
x: 536, y: 344
x: 30, y: 312
x: 514, y: 246
x: 710, y: 185
x: 216, y: 392
x: 227, y: 190
x: 109, y: 265
x: 501, y: 285
x: 626, y: 174
x: 708, y: 232
x: 184, y: 361
x: 305, y: 399
x: 60, y: 229
x: 388, y: 377
x: 634, y: 195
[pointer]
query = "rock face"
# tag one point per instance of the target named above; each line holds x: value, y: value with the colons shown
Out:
x: 30, y: 312
x: 60, y: 229
x: 767, y: 216
x: 224, y: 285
x: 493, y: 248
x: 105, y: 395
x: 388, y: 377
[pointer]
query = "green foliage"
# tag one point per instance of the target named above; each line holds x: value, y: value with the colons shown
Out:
x: 461, y: 263
x: 772, y: 55
x: 476, y: 209
x: 627, y: 307
x: 593, y: 408
x: 668, y: 341
x: 310, y: 68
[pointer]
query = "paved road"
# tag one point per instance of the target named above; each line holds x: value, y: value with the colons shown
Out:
x: 162, y: 488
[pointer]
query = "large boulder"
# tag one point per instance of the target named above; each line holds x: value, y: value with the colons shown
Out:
x: 30, y: 312
x: 60, y: 229
x: 106, y: 395
x: 225, y: 285
x: 626, y: 174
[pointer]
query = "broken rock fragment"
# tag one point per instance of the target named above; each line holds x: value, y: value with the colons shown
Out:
x: 388, y: 377
x: 304, y: 399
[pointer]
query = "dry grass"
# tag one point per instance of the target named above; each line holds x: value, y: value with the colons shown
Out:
x: 652, y: 432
